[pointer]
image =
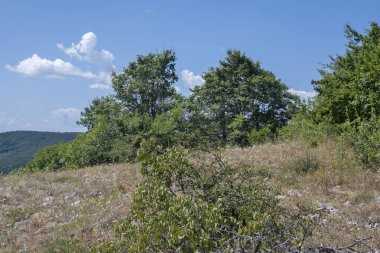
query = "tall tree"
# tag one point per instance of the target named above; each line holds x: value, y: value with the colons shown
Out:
x: 105, y: 107
x: 240, y: 89
x: 146, y: 85
x: 350, y: 85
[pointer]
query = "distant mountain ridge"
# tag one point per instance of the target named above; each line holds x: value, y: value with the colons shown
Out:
x: 18, y: 147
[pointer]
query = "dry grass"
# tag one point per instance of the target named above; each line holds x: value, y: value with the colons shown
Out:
x: 323, y: 176
x: 45, y: 211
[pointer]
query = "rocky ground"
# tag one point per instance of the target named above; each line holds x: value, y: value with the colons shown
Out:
x: 74, y: 210
x: 47, y: 211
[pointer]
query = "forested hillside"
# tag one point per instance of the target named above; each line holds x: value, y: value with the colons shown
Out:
x: 18, y: 147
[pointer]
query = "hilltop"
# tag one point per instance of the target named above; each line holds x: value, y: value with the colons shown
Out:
x: 74, y: 210
x: 18, y: 147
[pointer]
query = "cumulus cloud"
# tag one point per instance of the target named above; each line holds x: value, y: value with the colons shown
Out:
x: 85, y: 50
x: 191, y: 79
x: 58, y: 68
x: 303, y: 94
x: 70, y: 112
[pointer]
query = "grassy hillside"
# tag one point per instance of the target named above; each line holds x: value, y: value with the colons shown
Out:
x: 71, y: 211
x: 18, y: 147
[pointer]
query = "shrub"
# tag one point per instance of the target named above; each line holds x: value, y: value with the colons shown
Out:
x: 364, y: 137
x: 203, y: 206
x: 260, y: 136
x: 302, y: 127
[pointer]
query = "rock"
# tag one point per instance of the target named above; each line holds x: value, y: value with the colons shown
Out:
x: 327, y: 209
x: 48, y: 200
x: 280, y: 197
x: 351, y: 222
x: 70, y: 195
x: 347, y: 203
x: 313, y: 216
x: 324, y: 222
x: 4, y: 200
x: 2, y: 219
x: 377, y: 199
x: 76, y: 203
x: 373, y: 222
x: 21, y: 224
x: 96, y: 193
x: 292, y: 192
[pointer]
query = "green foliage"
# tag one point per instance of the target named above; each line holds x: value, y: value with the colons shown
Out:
x: 17, y: 148
x: 240, y: 96
x: 106, y: 108
x: 49, y: 158
x: 260, y: 136
x: 304, y: 128
x: 203, y: 207
x: 364, y: 137
x: 146, y: 85
x: 350, y: 87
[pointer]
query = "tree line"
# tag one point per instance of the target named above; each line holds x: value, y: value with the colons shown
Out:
x: 240, y: 103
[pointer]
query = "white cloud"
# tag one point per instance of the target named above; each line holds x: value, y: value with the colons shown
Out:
x: 85, y: 51
x: 104, y: 81
x: 100, y: 86
x: 70, y: 112
x: 58, y: 68
x: 11, y: 123
x: 190, y: 79
x: 303, y: 94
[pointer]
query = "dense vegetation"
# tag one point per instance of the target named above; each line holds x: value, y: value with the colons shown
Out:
x: 190, y: 205
x: 240, y: 103
x: 17, y: 148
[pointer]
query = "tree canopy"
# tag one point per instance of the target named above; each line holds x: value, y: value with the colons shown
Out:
x: 238, y: 98
x: 241, y: 90
x: 146, y: 85
x: 350, y: 85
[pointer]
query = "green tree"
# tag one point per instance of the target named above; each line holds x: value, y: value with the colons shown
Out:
x: 349, y: 89
x: 146, y: 85
x: 106, y: 107
x: 241, y: 91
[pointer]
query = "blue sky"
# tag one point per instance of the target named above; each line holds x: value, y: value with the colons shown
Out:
x: 55, y: 56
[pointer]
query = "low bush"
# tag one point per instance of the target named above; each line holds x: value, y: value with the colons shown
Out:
x: 364, y: 137
x: 302, y: 127
x: 204, y: 206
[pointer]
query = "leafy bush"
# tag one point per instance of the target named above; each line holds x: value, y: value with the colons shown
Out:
x: 303, y: 127
x: 49, y: 158
x: 199, y: 206
x: 364, y: 137
x: 260, y: 136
